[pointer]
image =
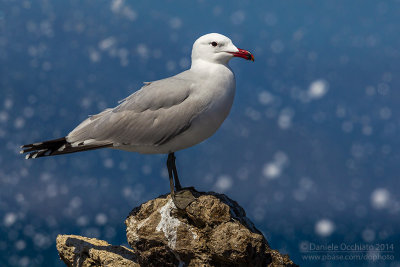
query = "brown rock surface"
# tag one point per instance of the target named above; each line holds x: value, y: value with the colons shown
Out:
x: 212, y: 231
x: 82, y: 251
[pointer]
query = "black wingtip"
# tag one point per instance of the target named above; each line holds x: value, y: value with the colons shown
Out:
x: 40, y: 149
x: 56, y: 147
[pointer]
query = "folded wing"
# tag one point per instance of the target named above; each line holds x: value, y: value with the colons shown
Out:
x: 152, y: 116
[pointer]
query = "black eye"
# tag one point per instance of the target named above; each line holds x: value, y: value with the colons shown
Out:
x: 214, y: 44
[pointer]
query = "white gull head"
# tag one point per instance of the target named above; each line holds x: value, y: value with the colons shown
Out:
x: 217, y: 48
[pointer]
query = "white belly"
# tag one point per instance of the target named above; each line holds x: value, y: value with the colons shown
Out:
x: 203, y: 126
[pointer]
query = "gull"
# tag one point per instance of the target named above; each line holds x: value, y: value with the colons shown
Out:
x: 164, y: 116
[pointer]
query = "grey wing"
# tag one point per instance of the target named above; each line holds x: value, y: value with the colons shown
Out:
x: 153, y: 115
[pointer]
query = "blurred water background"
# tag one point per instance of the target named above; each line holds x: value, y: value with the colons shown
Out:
x: 310, y: 149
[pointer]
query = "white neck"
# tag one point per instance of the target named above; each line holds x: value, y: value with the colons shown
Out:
x: 200, y: 65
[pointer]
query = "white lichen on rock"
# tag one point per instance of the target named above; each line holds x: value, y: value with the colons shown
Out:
x: 168, y: 224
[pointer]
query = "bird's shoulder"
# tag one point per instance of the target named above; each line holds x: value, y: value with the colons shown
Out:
x: 158, y: 94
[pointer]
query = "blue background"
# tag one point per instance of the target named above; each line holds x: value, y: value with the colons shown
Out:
x: 310, y: 149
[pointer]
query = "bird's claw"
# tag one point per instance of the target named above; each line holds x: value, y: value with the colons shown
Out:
x: 183, y: 198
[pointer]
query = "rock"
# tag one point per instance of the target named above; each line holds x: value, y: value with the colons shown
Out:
x: 82, y: 251
x: 212, y: 231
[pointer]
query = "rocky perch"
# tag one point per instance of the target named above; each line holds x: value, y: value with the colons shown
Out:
x: 211, y: 231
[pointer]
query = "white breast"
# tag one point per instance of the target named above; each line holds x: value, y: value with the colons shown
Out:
x: 217, y: 90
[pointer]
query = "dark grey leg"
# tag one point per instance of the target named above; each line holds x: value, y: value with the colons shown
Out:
x: 181, y: 198
x: 171, y: 177
x: 177, y: 183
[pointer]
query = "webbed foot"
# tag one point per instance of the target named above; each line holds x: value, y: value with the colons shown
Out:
x: 183, y: 198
